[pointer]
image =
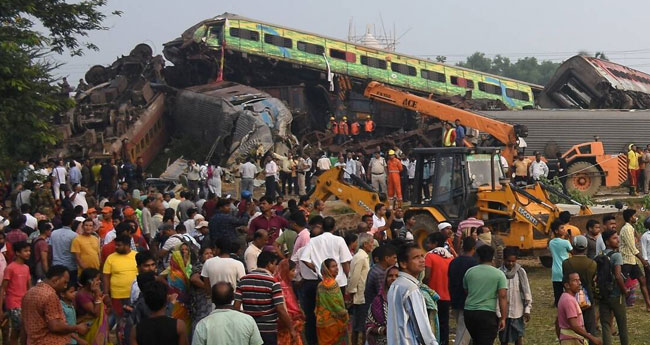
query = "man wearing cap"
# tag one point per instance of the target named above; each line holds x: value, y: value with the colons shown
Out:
x: 203, y: 231
x: 106, y: 223
x: 394, y: 179
x: 586, y: 268
x: 445, y: 229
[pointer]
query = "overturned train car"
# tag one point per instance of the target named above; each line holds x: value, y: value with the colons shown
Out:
x: 584, y: 82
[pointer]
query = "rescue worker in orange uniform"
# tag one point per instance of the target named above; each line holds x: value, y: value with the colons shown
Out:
x: 334, y: 126
x: 343, y: 126
x: 394, y: 181
x: 355, y: 128
x: 369, y: 127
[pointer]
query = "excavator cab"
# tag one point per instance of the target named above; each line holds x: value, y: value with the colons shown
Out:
x: 447, y: 181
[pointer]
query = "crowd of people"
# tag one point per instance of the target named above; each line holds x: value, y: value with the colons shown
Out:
x: 172, y: 268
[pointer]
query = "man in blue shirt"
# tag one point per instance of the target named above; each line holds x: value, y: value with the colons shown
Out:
x: 460, y: 134
x: 408, y: 321
x: 61, y: 239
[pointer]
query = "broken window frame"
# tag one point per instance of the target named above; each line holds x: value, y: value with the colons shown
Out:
x: 461, y: 82
x: 373, y: 62
x: 403, y: 69
x: 343, y: 55
x: 278, y: 41
x: 244, y: 34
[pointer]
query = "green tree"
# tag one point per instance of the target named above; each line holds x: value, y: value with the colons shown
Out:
x: 527, y: 69
x: 30, y: 100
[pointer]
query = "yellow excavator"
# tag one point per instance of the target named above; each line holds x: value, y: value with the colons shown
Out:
x: 448, y: 181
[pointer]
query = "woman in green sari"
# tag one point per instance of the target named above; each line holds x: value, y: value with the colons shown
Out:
x: 331, y: 314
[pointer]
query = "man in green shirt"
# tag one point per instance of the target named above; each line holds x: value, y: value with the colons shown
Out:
x: 225, y: 326
x: 297, y: 222
x: 484, y: 284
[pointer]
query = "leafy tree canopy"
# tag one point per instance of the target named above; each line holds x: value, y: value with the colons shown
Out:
x: 29, y: 99
x: 527, y: 69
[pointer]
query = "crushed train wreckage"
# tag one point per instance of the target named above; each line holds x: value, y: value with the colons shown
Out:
x: 237, y: 86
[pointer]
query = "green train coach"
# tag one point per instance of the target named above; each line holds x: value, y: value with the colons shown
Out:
x: 255, y: 38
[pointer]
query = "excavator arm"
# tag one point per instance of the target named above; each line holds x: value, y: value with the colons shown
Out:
x: 503, y: 132
x: 330, y: 183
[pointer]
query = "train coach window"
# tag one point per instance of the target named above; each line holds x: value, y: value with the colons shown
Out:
x: 278, y: 41
x: 245, y: 34
x: 343, y: 55
x: 310, y: 48
x: 403, y: 69
x: 462, y: 82
x: 516, y: 94
x: 489, y: 88
x: 431, y: 75
x: 373, y: 62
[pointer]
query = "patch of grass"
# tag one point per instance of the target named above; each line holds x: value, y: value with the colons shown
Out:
x: 340, y: 210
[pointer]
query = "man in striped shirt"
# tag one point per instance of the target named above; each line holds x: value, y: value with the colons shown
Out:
x: 259, y: 295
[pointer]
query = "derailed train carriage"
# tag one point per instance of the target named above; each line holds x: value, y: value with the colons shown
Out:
x: 331, y: 72
x: 584, y: 82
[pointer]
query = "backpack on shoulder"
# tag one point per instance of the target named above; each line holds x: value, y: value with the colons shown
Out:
x: 605, y: 279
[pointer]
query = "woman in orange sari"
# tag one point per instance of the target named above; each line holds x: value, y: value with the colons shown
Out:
x: 285, y: 273
x: 331, y: 315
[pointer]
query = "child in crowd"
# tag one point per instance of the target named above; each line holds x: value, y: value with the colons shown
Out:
x: 67, y: 304
x: 520, y: 299
x: 15, y: 284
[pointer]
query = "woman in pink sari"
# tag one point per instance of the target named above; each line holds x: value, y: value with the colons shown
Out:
x: 285, y: 273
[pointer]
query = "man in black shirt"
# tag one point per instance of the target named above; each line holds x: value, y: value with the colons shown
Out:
x: 457, y: 269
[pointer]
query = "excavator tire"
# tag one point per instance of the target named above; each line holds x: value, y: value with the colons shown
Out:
x: 583, y: 177
x: 424, y: 225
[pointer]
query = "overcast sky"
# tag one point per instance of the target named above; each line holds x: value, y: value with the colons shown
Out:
x: 552, y: 29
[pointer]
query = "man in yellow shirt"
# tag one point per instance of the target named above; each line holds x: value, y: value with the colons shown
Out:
x: 86, y: 247
x: 633, y: 168
x: 120, y: 269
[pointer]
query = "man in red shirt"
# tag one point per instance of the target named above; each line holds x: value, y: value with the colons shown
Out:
x: 436, y: 277
x: 14, y: 286
x: 268, y: 221
x: 109, y: 248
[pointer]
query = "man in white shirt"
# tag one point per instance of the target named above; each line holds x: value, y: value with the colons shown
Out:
x: 248, y: 172
x: 328, y: 246
x: 350, y: 168
x: 377, y: 173
x: 30, y: 220
x: 323, y: 163
x: 260, y: 237
x: 59, y: 174
x: 78, y: 197
x: 271, y: 176
x: 222, y: 268
x: 538, y: 168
